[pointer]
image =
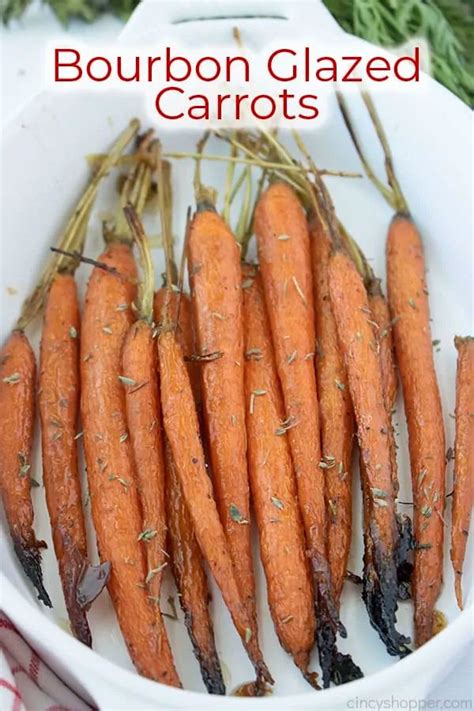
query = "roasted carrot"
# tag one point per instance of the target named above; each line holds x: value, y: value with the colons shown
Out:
x: 142, y: 402
x: 408, y: 300
x: 214, y: 272
x: 284, y: 256
x: 17, y: 407
x: 59, y: 406
x: 17, y: 389
x: 109, y: 456
x: 335, y: 408
x: 182, y: 429
x: 463, y: 458
x: 409, y: 308
x: 356, y: 337
x: 273, y: 488
x: 186, y: 558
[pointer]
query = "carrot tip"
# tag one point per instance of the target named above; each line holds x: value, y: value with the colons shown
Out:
x: 458, y: 590
x: 30, y: 559
x: 380, y: 595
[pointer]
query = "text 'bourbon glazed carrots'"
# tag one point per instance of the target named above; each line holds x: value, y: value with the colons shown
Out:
x: 186, y: 557
x: 409, y: 308
x: 182, y: 430
x: 17, y: 403
x: 463, y: 458
x: 111, y: 473
x: 281, y: 533
x: 216, y: 297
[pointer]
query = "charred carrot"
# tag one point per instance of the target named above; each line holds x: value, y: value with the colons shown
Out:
x: 281, y: 533
x: 463, y: 458
x: 17, y: 405
x: 409, y: 307
x: 356, y: 337
x: 214, y: 272
x: 109, y: 456
x: 186, y: 558
x: 17, y: 391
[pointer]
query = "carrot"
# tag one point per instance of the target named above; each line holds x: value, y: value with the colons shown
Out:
x: 59, y: 405
x: 409, y: 303
x: 17, y: 405
x: 182, y: 429
x: 335, y: 408
x: 356, y: 337
x: 17, y: 390
x: 109, y: 456
x: 409, y: 306
x: 186, y: 558
x: 281, y: 533
x: 463, y: 458
x: 285, y: 262
x: 214, y: 272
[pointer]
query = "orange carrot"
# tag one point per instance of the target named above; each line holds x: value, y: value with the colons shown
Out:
x: 214, y: 271
x: 281, y: 533
x: 463, y: 458
x: 182, y: 429
x: 359, y: 347
x: 109, y: 456
x: 59, y: 406
x: 408, y: 301
x: 17, y: 405
x: 285, y: 262
x: 186, y: 558
x: 335, y: 408
x: 142, y: 401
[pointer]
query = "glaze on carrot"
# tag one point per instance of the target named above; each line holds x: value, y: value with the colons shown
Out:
x: 214, y: 273
x: 17, y: 408
x: 361, y: 357
x: 463, y: 458
x: 273, y: 488
x: 182, y: 429
x: 58, y: 399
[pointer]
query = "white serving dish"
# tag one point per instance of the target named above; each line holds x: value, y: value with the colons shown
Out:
x: 43, y: 170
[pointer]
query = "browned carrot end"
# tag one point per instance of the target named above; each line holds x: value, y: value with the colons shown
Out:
x: 17, y: 405
x: 463, y: 459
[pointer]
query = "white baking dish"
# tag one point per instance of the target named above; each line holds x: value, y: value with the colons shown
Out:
x: 43, y: 170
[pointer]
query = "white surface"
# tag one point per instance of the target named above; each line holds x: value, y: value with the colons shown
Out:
x: 48, y: 127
